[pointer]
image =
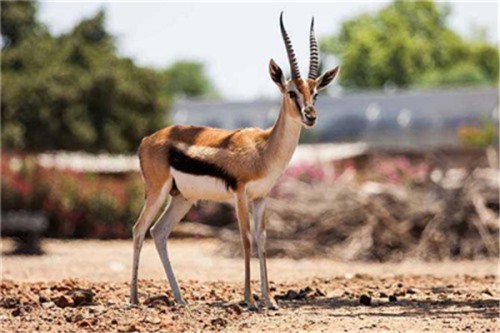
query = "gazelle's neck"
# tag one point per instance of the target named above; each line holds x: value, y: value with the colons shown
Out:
x: 283, y: 139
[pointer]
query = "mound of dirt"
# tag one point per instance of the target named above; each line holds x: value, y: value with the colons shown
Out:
x: 455, y: 216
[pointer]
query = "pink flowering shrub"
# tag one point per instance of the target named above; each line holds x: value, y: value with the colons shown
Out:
x: 76, y: 204
x: 106, y: 206
x: 397, y: 170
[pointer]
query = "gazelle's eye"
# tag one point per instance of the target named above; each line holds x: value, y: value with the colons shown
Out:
x: 292, y: 94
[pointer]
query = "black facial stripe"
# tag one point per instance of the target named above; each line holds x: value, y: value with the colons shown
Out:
x: 193, y: 166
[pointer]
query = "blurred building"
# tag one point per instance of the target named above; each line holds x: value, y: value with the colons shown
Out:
x: 350, y: 126
x: 410, y: 118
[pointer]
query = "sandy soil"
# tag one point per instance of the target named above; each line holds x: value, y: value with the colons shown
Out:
x: 45, y: 293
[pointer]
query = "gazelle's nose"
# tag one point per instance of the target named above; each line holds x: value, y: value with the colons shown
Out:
x: 310, y: 113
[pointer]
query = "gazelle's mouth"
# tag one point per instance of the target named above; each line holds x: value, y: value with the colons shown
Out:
x: 308, y: 123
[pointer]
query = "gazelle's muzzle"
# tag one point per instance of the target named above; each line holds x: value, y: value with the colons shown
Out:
x: 309, y: 116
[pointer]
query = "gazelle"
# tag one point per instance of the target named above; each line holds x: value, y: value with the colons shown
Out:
x: 200, y: 163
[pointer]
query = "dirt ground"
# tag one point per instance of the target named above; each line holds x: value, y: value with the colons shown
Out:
x: 83, y: 286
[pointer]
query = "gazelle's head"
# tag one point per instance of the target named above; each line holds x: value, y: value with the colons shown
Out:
x: 298, y: 92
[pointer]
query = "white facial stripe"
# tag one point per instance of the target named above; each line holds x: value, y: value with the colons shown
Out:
x: 300, y: 103
x: 314, y: 95
x: 300, y: 98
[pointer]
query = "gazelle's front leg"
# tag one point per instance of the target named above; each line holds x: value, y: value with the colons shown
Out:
x: 259, y: 206
x: 246, y: 239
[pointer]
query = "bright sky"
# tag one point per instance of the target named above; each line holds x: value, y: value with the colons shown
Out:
x: 234, y: 40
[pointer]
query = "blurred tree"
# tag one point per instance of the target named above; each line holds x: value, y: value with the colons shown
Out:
x: 409, y: 43
x: 186, y: 78
x: 18, y: 21
x: 73, y: 92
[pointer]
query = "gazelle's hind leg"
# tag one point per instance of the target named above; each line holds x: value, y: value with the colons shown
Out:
x: 259, y: 206
x: 246, y: 240
x: 154, y: 200
x: 176, y: 210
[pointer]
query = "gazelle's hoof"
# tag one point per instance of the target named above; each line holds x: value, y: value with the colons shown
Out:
x: 181, y: 301
x: 252, y: 307
x: 273, y: 307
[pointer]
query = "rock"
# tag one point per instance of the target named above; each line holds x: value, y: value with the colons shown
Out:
x: 365, y: 300
x: 319, y: 292
x: 74, y: 318
x: 17, y: 312
x: 411, y: 291
x: 487, y: 292
x: 43, y: 298
x: 218, y: 322
x: 153, y: 320
x: 158, y: 300
x: 306, y: 290
x: 84, y: 323
x: 195, y: 295
x: 393, y: 299
x: 63, y: 301
x: 9, y: 302
x: 131, y: 328
x: 97, y: 309
x: 81, y: 296
x: 48, y: 305
x: 400, y: 293
x: 292, y: 294
x: 235, y: 308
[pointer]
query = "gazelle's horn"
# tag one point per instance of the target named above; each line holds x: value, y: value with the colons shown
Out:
x: 314, y: 54
x: 289, y: 50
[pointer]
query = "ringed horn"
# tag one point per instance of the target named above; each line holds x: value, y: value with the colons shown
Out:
x: 289, y: 50
x: 314, y: 54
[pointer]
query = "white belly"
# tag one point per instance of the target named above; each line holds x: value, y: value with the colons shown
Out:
x: 201, y: 187
x: 210, y: 188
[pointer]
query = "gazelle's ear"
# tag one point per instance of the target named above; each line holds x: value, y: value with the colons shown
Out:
x: 277, y: 75
x: 324, y: 80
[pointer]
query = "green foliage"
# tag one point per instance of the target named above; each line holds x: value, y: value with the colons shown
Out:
x: 186, y: 78
x: 480, y: 136
x: 74, y: 92
x: 461, y: 74
x: 409, y: 43
x: 18, y: 20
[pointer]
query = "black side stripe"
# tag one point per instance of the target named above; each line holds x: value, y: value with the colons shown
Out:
x: 187, y: 164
